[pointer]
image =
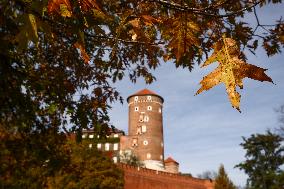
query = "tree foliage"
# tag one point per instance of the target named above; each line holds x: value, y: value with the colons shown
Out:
x: 131, y: 159
x: 264, y: 158
x: 59, y: 59
x: 222, y: 180
x: 231, y: 70
x: 87, y: 168
x: 26, y: 163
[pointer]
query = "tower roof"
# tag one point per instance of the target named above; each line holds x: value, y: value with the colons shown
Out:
x: 145, y: 92
x: 170, y: 160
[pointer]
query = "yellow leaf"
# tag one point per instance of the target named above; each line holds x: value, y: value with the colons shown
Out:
x: 231, y: 70
x: 28, y: 32
x: 34, y: 25
x: 64, y: 11
x: 87, y: 5
x: 182, y: 34
x: 134, y: 22
x: 62, y: 7
x: 149, y: 20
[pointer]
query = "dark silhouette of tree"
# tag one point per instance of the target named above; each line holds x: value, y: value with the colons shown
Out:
x: 264, y: 158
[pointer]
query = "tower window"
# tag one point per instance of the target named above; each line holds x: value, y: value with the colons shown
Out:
x: 148, y: 155
x: 91, y: 136
x: 144, y: 129
x: 83, y: 136
x: 146, y: 118
x: 149, y: 98
x: 162, y: 144
x: 161, y: 157
x: 160, y: 110
x: 115, y: 146
x: 136, y: 109
x: 145, y: 142
x: 149, y: 108
x: 138, y: 130
x: 115, y: 135
x: 114, y: 159
x: 99, y: 145
x: 141, y: 117
x: 136, y: 98
x: 90, y: 145
x: 107, y: 147
x: 134, y: 142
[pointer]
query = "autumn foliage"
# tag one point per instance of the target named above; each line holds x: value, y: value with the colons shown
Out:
x: 59, y: 60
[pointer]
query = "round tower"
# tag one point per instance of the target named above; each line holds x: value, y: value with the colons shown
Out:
x: 145, y: 127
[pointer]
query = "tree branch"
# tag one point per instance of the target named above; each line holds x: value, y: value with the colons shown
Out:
x: 186, y: 8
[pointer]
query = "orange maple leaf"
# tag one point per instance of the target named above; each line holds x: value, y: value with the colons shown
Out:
x: 87, y: 5
x: 182, y: 35
x: 62, y: 7
x: 231, y: 70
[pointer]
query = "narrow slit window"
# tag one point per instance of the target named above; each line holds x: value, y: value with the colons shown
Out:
x: 114, y: 159
x: 107, y: 147
x: 136, y: 109
x: 146, y: 118
x: 99, y: 146
x: 115, y: 146
x: 144, y: 128
x: 149, y: 108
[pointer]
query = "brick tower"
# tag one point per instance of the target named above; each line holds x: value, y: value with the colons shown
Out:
x: 145, y: 128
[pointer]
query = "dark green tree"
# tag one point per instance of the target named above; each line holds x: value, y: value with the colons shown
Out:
x: 264, y: 158
x: 87, y: 168
x: 222, y: 180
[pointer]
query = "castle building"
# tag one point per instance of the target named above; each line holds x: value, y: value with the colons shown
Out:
x: 145, y: 130
x: 146, y: 142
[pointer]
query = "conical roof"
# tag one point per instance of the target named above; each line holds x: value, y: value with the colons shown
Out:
x: 145, y: 92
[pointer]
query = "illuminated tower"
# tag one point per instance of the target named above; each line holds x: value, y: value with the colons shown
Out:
x: 145, y: 128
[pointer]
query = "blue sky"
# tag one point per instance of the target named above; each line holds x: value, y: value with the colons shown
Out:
x: 203, y: 131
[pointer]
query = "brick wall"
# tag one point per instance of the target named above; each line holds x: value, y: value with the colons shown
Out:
x: 142, y: 178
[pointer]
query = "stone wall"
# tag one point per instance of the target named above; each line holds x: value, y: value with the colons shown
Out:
x: 142, y: 178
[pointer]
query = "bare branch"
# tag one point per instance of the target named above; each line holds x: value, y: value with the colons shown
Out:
x: 186, y: 8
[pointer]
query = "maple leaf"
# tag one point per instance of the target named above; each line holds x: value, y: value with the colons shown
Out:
x: 182, y: 35
x: 62, y: 7
x: 28, y: 32
x: 231, y: 70
x: 87, y: 5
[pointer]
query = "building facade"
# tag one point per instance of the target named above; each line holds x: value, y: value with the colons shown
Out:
x: 145, y: 128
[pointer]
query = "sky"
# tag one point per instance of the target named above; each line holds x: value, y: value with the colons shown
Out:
x: 201, y: 132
